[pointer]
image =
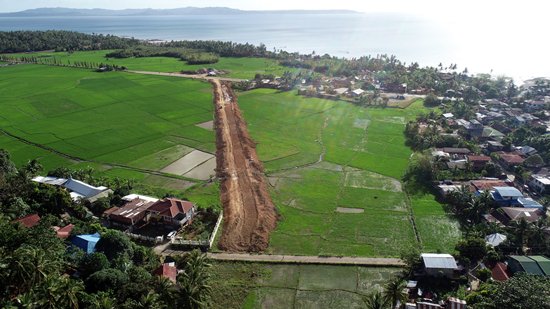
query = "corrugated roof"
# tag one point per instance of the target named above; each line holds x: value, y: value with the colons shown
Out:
x: 500, y: 272
x: 440, y: 261
x: 530, y: 266
x: 29, y: 220
x: 82, y: 188
x: 508, y: 192
x: 543, y: 262
x: 495, y: 239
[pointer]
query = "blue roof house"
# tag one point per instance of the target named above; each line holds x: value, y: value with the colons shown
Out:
x: 86, y: 242
x: 506, y: 196
x: 527, y: 202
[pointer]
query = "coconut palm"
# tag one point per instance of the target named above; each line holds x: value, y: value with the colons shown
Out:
x: 195, y: 281
x: 394, y: 291
x: 375, y: 300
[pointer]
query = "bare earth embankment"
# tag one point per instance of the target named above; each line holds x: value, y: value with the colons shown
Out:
x: 249, y: 212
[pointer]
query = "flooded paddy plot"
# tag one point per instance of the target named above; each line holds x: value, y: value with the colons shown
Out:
x: 188, y: 162
x: 209, y: 125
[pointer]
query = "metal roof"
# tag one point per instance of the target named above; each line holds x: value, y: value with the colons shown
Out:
x: 529, y: 265
x: 439, y: 261
x: 495, y: 239
x: 543, y: 262
x: 508, y: 192
x: 528, y: 202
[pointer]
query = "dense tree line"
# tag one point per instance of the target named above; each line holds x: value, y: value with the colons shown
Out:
x: 40, y: 270
x: 27, y: 41
x: 224, y: 49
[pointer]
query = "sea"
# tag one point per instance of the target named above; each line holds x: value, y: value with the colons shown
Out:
x: 479, y: 48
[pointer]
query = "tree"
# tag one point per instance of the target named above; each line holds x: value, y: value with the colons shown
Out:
x: 519, y: 292
x: 115, y: 244
x: 375, y: 300
x: 195, y: 282
x: 92, y: 263
x: 432, y: 100
x: 105, y: 280
x: 393, y: 291
x: 471, y: 250
x: 7, y: 167
x: 534, y: 161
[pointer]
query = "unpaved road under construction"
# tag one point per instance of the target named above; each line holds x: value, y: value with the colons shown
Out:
x: 249, y: 212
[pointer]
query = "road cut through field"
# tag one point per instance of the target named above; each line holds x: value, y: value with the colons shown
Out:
x: 249, y: 213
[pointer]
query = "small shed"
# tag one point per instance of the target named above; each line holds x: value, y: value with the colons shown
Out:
x: 86, y: 242
x: 437, y: 264
x: 495, y: 239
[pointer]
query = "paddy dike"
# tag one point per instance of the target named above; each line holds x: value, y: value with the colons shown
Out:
x: 249, y: 212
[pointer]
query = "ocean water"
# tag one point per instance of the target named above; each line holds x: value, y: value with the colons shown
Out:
x: 410, y: 38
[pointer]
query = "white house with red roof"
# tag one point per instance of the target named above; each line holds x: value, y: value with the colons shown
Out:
x: 171, y: 211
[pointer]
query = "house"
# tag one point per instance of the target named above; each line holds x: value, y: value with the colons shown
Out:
x: 341, y: 91
x: 500, y: 272
x: 29, y: 220
x: 527, y: 202
x: 494, y: 146
x: 168, y: 271
x: 86, y: 242
x: 536, y: 265
x: 131, y: 197
x: 540, y: 183
x: 358, y: 92
x: 445, y: 189
x: 478, y: 162
x: 506, y: 215
x: 455, y: 303
x: 130, y: 213
x: 437, y: 265
x: 534, y: 105
x: 487, y: 184
x: 448, y: 115
x: 171, y: 211
x: 63, y: 232
x: 509, y: 160
x: 495, y: 239
x: 526, y: 150
x: 428, y: 305
x: 81, y: 190
x: 506, y: 196
x: 78, y: 189
x: 489, y: 133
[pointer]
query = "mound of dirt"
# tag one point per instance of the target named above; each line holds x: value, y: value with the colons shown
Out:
x: 249, y: 213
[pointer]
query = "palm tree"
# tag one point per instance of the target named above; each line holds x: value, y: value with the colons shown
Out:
x: 102, y: 300
x: 375, y: 300
x: 149, y: 301
x: 394, y: 291
x: 60, y: 292
x: 195, y: 281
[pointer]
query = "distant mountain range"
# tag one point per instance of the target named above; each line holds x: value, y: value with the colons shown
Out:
x: 41, y: 12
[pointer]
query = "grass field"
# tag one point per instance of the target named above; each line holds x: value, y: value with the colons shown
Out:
x: 248, y: 285
x: 139, y: 121
x: 244, y: 68
x: 363, y: 159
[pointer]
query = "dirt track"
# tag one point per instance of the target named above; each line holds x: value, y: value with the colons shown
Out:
x: 249, y: 212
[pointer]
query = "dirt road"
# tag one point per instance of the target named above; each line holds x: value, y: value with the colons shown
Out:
x: 299, y: 259
x: 249, y: 212
x: 193, y: 76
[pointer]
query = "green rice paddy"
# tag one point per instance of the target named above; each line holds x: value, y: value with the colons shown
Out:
x: 249, y: 285
x: 324, y: 155
x: 244, y: 68
x: 104, y: 120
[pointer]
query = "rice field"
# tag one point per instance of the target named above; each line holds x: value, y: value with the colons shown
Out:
x: 248, y: 285
x: 323, y: 156
x: 145, y: 122
x: 244, y: 68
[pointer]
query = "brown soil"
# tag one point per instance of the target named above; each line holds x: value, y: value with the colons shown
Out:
x: 249, y: 213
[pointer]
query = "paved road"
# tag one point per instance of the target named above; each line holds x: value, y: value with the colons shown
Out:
x: 193, y: 76
x: 297, y: 259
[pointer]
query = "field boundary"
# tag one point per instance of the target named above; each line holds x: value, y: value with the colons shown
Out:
x: 79, y: 159
x: 305, y: 259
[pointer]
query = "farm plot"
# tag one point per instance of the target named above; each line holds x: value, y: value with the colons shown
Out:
x: 327, y: 161
x: 112, y: 118
x: 244, y: 68
x: 296, y: 286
